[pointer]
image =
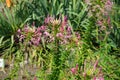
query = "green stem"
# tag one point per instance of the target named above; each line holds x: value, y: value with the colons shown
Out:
x: 56, y: 58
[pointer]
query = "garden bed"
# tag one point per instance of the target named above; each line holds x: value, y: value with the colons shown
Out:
x: 60, y: 39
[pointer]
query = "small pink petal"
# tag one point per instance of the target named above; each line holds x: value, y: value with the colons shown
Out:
x: 59, y: 35
x: 98, y: 78
x: 35, y: 78
x: 73, y: 70
x: 95, y: 65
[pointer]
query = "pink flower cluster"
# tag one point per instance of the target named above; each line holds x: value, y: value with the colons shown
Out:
x: 96, y: 71
x: 64, y: 32
x: 105, y: 21
x: 108, y: 6
x: 100, y: 76
x: 33, y: 35
x: 48, y: 19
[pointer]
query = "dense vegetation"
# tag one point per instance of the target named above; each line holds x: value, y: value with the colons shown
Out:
x: 60, y: 39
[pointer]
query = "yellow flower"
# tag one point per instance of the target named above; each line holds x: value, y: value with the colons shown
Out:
x: 8, y: 3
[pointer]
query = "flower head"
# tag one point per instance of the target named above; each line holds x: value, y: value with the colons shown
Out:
x: 75, y: 69
x: 63, y: 24
x: 40, y: 29
x: 35, y: 41
x: 108, y: 6
x: 55, y: 22
x: 60, y: 35
x: 95, y: 65
x: 48, y: 20
x: 35, y: 78
x: 8, y: 3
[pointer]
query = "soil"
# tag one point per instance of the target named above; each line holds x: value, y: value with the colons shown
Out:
x: 26, y: 72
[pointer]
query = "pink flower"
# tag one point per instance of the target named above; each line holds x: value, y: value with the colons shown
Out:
x: 77, y: 35
x: 75, y: 69
x: 26, y: 29
x: 108, y: 2
x: 40, y: 29
x: 100, y: 23
x: 21, y: 38
x: 62, y: 28
x: 35, y: 78
x: 65, y: 19
x: 35, y: 41
x: 48, y: 20
x: 108, y: 5
x: 59, y: 35
x: 68, y: 36
x: 63, y: 24
x: 108, y: 21
x: 98, y: 78
x: 46, y: 33
x: 19, y: 31
x: 43, y: 28
x: 84, y: 74
x: 95, y: 65
x: 69, y: 29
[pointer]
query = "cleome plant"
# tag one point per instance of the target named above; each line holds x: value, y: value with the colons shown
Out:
x: 60, y: 39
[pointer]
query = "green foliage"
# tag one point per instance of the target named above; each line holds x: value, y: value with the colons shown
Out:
x: 96, y: 54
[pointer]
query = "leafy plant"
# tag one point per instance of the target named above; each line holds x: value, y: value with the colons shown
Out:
x: 61, y: 39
